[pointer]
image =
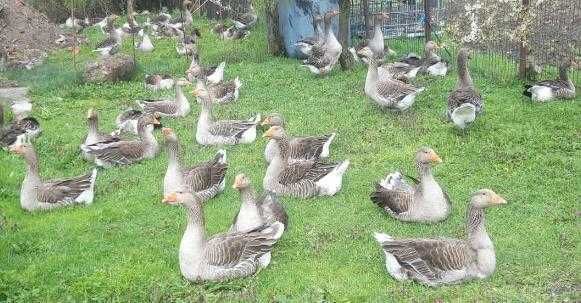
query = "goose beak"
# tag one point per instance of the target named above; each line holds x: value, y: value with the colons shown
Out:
x: 265, y: 122
x: 268, y: 133
x: 435, y: 158
x: 196, y: 92
x: 156, y: 121
x: 237, y: 182
x: 167, y: 131
x: 90, y: 113
x: 171, y: 198
x: 496, y: 199
x: 17, y: 149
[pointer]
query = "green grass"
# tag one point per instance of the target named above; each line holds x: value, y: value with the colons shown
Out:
x: 124, y: 246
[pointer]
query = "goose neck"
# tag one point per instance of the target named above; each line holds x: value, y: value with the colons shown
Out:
x: 464, y: 78
x: 173, y: 153
x: 563, y: 75
x: 194, y: 235
x: 248, y: 195
x: 476, y: 228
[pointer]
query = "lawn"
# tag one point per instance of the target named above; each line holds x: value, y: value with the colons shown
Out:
x: 124, y: 247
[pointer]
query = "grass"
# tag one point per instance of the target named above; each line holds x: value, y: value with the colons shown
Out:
x: 124, y: 246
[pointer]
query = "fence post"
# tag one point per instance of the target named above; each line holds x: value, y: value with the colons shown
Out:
x: 428, y: 20
x: 523, y: 53
x: 365, y: 7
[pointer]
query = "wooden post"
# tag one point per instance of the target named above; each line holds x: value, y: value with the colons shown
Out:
x: 365, y: 7
x: 428, y: 20
x: 346, y: 59
x: 275, y: 45
x: 523, y: 51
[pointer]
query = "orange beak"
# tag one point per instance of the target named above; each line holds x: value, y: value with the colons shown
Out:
x: 266, y: 121
x: 166, y: 131
x: 237, y: 181
x: 156, y: 121
x: 268, y: 133
x: 496, y: 199
x: 171, y: 198
x: 435, y: 158
x: 17, y: 149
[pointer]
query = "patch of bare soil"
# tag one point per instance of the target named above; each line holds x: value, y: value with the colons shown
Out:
x: 26, y: 34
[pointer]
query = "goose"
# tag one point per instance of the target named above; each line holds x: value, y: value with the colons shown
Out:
x: 324, y: 55
x: 377, y: 42
x: 130, y: 27
x: 163, y: 17
x: 157, y: 82
x: 36, y: 194
x: 93, y: 134
x: 228, y: 132
x: 305, y: 45
x: 146, y: 45
x: 301, y: 148
x: 303, y: 179
x: 425, y: 201
x: 247, y: 20
x: 395, y: 70
x: 20, y: 130
x: 222, y: 93
x: 436, y: 262
x: 464, y: 103
x: 388, y: 92
x: 205, y: 179
x: 186, y: 45
x: 178, y: 107
x: 431, y: 63
x: 125, y: 152
x: 255, y: 212
x: 548, y: 90
x: 111, y: 44
x: 223, y: 256
x: 127, y: 121
x: 212, y: 74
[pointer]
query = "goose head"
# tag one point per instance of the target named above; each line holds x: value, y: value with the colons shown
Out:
x: 426, y: 156
x: 273, y: 120
x: 25, y: 150
x: 365, y: 52
x: 380, y: 17
x: 274, y: 132
x: 241, y: 182
x: 485, y: 198
x: 92, y: 114
x: 201, y: 92
x: 148, y: 121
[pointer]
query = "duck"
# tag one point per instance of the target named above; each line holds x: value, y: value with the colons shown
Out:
x: 325, y: 54
x: 388, y: 92
x: 127, y: 121
x: 93, y: 134
x: 211, y: 74
x: 145, y: 45
x: 424, y: 201
x: 20, y: 130
x: 111, y: 44
x: 377, y: 42
x: 441, y: 261
x: 549, y: 90
x: 223, y: 256
x: 305, y: 45
x: 303, y: 179
x: 157, y: 82
x: 255, y: 212
x: 301, y: 148
x: 178, y: 107
x: 39, y: 195
x: 126, y: 152
x: 225, y: 132
x: 206, y: 179
x: 464, y: 103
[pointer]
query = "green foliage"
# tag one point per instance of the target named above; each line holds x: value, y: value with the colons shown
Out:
x: 124, y: 246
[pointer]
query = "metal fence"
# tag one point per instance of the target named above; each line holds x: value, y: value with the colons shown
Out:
x: 214, y: 11
x: 498, y: 59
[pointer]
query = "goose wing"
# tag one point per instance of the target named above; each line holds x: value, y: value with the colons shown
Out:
x: 465, y: 95
x: 159, y: 106
x: 396, y: 199
x: 206, y: 175
x: 429, y: 257
x: 308, y: 147
x: 117, y: 152
x: 395, y: 89
x: 553, y: 84
x: 230, y: 128
x: 295, y: 172
x: 64, y: 189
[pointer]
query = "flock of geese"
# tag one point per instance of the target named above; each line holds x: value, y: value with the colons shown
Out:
x: 296, y: 166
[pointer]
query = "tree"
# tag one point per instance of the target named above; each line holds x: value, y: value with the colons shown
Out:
x: 346, y: 59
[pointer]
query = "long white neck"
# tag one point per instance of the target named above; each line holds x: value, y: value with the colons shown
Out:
x: 371, y: 79
x: 194, y: 238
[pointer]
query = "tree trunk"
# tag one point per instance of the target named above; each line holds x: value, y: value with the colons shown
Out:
x: 346, y: 59
x: 275, y: 46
